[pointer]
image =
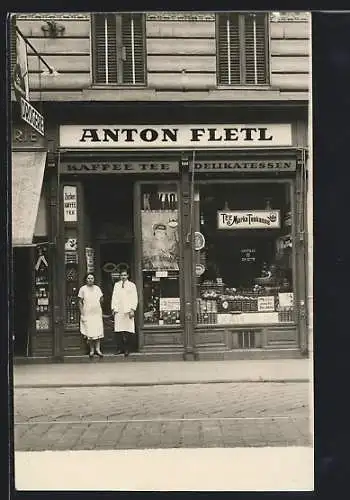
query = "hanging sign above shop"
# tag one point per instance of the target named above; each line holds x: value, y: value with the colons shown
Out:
x: 175, y: 136
x: 250, y: 219
x: 32, y: 116
x: 142, y: 167
x: 70, y: 203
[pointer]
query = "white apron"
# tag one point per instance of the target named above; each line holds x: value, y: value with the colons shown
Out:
x: 123, y: 300
x: 91, y: 323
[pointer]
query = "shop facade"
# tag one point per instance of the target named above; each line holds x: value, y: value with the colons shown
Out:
x: 209, y: 217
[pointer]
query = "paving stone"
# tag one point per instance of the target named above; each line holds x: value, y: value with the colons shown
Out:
x: 110, y: 417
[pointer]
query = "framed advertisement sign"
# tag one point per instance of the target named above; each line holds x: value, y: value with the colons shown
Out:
x: 70, y: 203
x: 249, y: 219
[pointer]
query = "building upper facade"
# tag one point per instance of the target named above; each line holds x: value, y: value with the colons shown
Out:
x: 159, y: 56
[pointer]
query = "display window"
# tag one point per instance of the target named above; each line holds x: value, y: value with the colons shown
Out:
x: 244, y: 272
x: 160, y: 254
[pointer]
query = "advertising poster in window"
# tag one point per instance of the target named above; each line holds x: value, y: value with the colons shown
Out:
x: 160, y: 240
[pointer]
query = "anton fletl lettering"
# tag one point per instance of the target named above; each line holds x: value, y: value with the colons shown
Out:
x: 170, y: 135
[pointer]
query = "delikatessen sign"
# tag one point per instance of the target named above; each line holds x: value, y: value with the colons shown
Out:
x: 175, y: 136
x: 249, y: 219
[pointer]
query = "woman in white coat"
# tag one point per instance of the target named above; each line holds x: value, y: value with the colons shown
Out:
x: 123, y: 304
x: 91, y: 323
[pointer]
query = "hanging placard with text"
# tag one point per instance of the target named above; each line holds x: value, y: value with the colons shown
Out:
x: 70, y: 203
x: 249, y: 219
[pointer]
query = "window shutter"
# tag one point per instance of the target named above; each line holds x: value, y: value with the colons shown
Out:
x: 119, y: 44
x: 242, y: 49
x: 133, y: 42
x: 229, y: 66
x: 105, y: 48
x: 255, y: 49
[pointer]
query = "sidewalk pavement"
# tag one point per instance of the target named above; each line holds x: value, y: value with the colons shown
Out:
x: 102, y: 374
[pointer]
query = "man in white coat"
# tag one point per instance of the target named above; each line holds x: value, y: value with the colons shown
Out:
x: 123, y: 305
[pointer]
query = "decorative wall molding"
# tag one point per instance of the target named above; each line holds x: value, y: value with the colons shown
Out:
x: 57, y: 16
x: 278, y: 16
x: 287, y: 16
x: 180, y: 16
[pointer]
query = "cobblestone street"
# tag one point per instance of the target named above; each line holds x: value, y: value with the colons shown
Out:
x: 198, y: 415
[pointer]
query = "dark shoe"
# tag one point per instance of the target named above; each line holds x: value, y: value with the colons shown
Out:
x: 118, y: 351
x: 91, y: 355
x: 126, y: 354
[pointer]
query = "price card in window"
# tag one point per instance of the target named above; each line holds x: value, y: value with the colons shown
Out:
x: 266, y: 304
x: 169, y: 303
x: 161, y: 274
x: 286, y: 299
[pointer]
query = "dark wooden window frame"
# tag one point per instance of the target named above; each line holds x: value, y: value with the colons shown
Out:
x: 120, y: 54
x: 242, y: 62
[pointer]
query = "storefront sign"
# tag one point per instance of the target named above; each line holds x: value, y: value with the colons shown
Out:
x: 199, y: 241
x: 175, y: 136
x: 160, y: 242
x: 244, y: 165
x: 248, y: 255
x: 70, y: 203
x: 119, y: 167
x: 266, y: 304
x: 25, y: 136
x: 30, y: 115
x: 199, y: 269
x: 250, y: 219
x: 90, y: 259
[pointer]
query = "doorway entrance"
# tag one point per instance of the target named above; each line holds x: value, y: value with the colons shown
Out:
x: 111, y: 254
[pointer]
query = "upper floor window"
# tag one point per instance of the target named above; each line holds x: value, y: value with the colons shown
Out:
x: 242, y: 48
x: 118, y: 49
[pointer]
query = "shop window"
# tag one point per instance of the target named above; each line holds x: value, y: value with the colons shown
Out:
x: 118, y: 49
x: 245, y: 271
x: 42, y: 290
x: 71, y: 278
x: 242, y: 48
x: 160, y: 254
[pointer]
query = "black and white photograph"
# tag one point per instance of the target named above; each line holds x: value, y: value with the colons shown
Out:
x: 162, y: 250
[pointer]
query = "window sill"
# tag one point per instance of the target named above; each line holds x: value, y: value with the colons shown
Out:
x: 158, y: 327
x: 241, y: 326
x: 265, y: 87
x: 125, y: 86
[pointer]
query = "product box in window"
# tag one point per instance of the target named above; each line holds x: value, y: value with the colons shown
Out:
x: 229, y: 304
x: 207, y: 318
x: 169, y: 317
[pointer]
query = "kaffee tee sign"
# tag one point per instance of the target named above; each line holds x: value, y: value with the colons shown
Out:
x: 175, y: 136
